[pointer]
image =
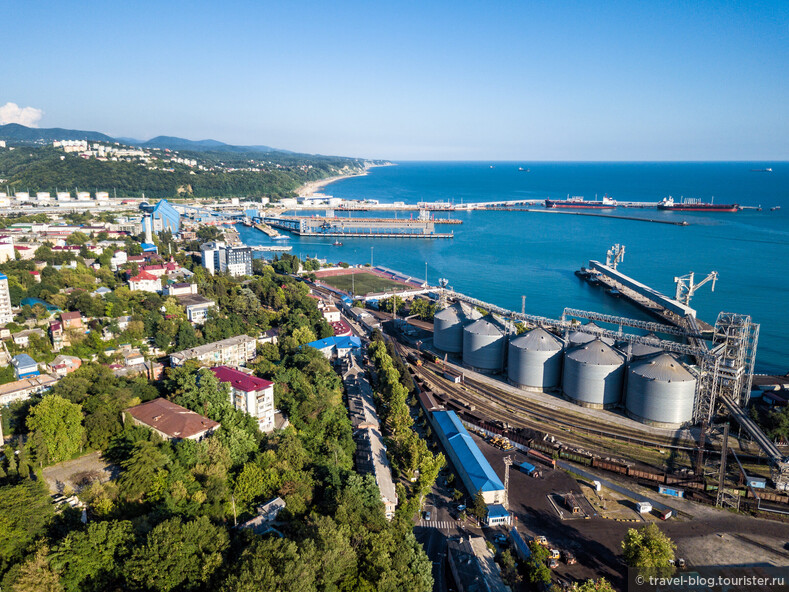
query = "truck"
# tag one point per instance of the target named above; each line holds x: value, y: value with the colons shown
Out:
x: 529, y: 469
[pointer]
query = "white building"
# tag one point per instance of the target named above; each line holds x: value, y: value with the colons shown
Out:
x: 7, y: 249
x: 218, y: 257
x: 236, y: 351
x: 6, y: 316
x: 118, y: 259
x: 145, y: 282
x: 250, y: 394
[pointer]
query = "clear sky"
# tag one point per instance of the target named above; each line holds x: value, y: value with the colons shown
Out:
x: 509, y: 80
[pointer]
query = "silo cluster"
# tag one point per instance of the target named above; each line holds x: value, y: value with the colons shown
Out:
x: 654, y: 386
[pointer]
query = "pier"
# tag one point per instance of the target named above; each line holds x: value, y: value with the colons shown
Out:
x: 357, y: 227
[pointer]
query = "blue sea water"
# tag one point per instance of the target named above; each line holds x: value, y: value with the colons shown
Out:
x: 500, y: 256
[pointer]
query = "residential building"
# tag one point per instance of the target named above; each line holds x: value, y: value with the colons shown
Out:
x: 133, y: 357
x: 182, y: 289
x: 331, y: 314
x: 24, y: 366
x: 250, y: 394
x: 145, y: 282
x: 267, y: 513
x: 235, y: 351
x: 270, y: 336
x: 6, y: 315
x: 22, y: 389
x: 72, y: 320
x: 172, y: 422
x: 150, y: 369
x: 197, y: 307
x: 7, y: 249
x: 218, y: 257
x: 22, y: 338
x: 118, y: 259
x: 63, y: 365
x: 58, y: 335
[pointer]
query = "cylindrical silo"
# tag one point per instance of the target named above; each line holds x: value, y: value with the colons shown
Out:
x: 448, y: 326
x: 660, y: 391
x: 484, y: 343
x: 592, y: 375
x: 535, y: 359
x: 579, y: 337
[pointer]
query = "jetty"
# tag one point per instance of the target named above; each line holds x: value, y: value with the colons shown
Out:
x: 357, y: 227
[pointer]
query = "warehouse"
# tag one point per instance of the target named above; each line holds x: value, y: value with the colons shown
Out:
x: 472, y: 467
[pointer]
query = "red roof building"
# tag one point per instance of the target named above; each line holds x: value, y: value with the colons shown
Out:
x: 171, y: 421
x: 250, y: 394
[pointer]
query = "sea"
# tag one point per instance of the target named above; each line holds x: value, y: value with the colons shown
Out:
x: 501, y: 256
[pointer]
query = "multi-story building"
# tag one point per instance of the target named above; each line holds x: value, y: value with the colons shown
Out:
x: 218, y: 257
x: 250, y: 394
x: 236, y: 351
x: 196, y: 307
x: 145, y: 282
x: 6, y: 315
x: 21, y: 390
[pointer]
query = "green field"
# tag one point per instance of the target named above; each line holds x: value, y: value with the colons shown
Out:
x: 362, y: 283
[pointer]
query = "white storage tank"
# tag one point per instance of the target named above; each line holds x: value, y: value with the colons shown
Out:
x: 448, y: 326
x: 592, y: 375
x: 535, y: 359
x: 660, y: 391
x: 484, y: 343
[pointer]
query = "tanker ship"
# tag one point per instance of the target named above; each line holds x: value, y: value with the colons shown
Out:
x: 578, y: 202
x: 695, y: 205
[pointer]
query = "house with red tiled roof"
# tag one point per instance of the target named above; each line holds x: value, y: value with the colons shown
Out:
x: 250, y: 394
x: 171, y: 421
x: 145, y: 282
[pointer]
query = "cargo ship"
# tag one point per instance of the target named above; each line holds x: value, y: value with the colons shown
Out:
x: 695, y: 205
x: 578, y: 202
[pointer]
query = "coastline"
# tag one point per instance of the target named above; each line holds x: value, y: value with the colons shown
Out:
x: 313, y: 187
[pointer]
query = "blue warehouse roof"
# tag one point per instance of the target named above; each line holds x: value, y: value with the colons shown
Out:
x: 349, y: 341
x: 474, y: 463
x: 23, y: 360
x: 497, y: 511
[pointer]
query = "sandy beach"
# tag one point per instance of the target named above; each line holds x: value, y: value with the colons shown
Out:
x: 314, y: 187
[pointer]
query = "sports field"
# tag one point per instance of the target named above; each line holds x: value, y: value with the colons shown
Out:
x: 362, y: 283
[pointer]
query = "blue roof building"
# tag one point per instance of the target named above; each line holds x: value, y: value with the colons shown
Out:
x: 498, y: 515
x: 521, y: 547
x: 24, y: 366
x: 165, y: 217
x: 474, y: 469
x: 336, y: 347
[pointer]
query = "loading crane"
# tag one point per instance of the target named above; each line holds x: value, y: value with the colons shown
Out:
x: 614, y: 255
x: 686, y: 288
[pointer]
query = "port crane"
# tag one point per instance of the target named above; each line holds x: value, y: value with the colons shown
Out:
x: 686, y: 286
x: 614, y: 255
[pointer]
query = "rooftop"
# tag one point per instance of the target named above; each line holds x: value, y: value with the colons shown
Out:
x: 142, y: 276
x: 23, y: 360
x: 240, y: 380
x: 341, y: 342
x: 68, y: 316
x: 171, y: 419
x: 210, y: 347
x: 193, y: 300
x: 474, y: 463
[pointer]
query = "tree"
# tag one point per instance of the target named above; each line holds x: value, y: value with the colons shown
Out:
x: 649, y: 549
x: 140, y: 470
x: 601, y: 585
x: 178, y: 555
x: 249, y: 484
x: 479, y: 507
x: 36, y: 575
x: 27, y: 510
x: 58, y: 430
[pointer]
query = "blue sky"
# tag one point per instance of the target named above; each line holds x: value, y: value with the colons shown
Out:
x: 514, y: 80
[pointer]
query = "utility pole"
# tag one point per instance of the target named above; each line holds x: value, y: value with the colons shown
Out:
x: 507, y: 463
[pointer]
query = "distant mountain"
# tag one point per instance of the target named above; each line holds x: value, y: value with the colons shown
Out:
x: 13, y: 132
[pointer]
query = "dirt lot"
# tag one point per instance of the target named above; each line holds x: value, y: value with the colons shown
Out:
x: 596, y: 542
x: 75, y: 473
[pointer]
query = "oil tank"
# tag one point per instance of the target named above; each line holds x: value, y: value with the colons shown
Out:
x: 580, y: 337
x: 592, y: 375
x: 535, y: 359
x: 660, y: 391
x: 484, y: 343
x: 448, y: 326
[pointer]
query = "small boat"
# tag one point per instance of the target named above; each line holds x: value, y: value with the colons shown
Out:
x: 772, y: 209
x: 336, y: 244
x: 521, y: 169
x: 767, y: 170
x: 593, y: 281
x: 582, y: 273
x: 613, y: 292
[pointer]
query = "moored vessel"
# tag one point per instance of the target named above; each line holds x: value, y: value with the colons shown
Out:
x: 695, y: 205
x: 577, y: 201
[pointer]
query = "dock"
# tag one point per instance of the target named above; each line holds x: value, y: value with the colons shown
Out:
x: 357, y: 227
x: 648, y: 299
x: 272, y: 248
x: 267, y: 229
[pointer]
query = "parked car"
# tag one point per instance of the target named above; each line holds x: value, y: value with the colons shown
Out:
x: 500, y: 538
x: 681, y: 563
x: 541, y: 540
x: 552, y: 563
x: 427, y: 515
x: 461, y: 507
x: 568, y: 557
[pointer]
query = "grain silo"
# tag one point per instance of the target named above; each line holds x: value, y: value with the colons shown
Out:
x: 660, y: 391
x: 484, y: 345
x: 448, y: 326
x: 592, y: 375
x: 535, y: 360
x: 579, y: 337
